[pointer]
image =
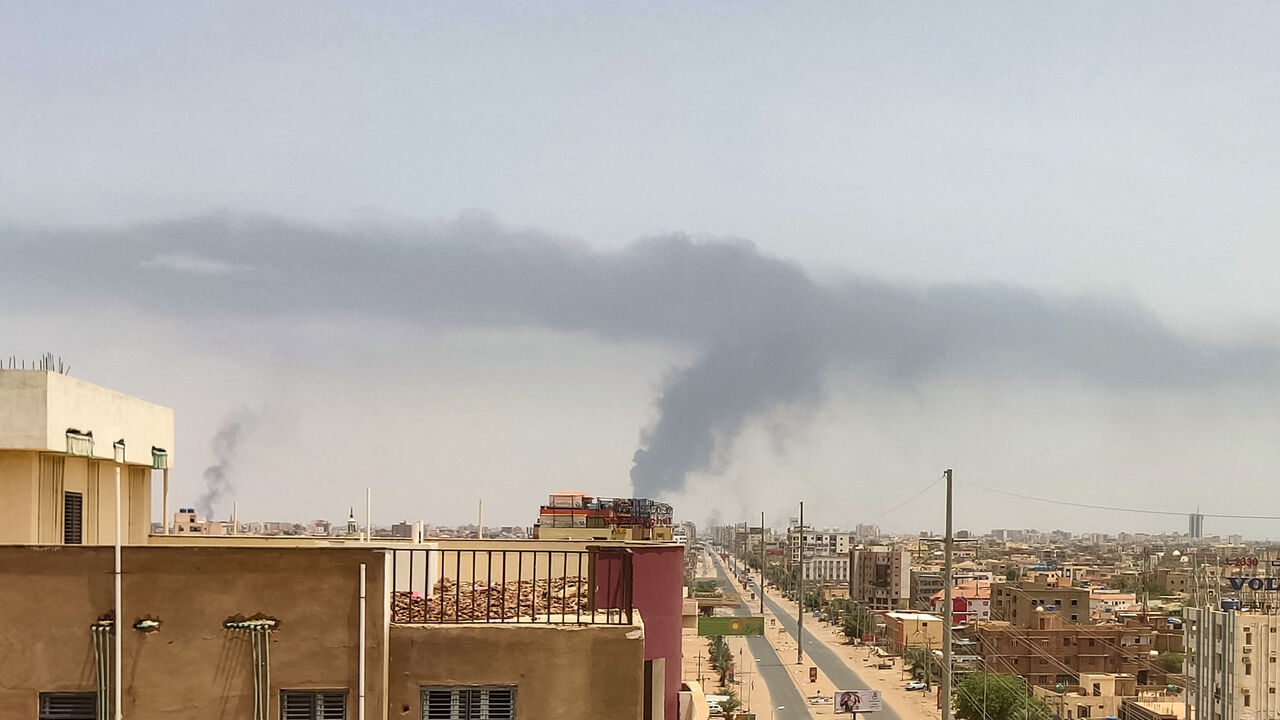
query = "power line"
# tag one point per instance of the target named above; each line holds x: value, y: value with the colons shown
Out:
x: 1112, y: 508
x: 924, y: 490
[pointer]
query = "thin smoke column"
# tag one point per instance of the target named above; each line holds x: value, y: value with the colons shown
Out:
x: 225, y: 446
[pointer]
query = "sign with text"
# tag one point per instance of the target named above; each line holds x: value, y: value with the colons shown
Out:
x: 858, y: 701
x: 712, y: 626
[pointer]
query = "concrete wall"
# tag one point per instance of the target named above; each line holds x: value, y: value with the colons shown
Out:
x: 562, y: 672
x: 37, y: 407
x: 19, y: 472
x: 31, y: 504
x: 192, y: 667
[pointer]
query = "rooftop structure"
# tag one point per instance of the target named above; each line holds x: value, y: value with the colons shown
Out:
x: 573, y: 515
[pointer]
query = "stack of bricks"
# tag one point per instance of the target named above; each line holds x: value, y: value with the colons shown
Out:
x: 480, y: 601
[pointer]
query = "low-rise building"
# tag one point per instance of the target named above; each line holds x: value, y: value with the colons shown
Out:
x: 903, y: 630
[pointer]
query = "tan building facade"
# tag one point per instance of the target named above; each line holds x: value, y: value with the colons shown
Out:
x: 1024, y: 604
x: 60, y: 449
x: 198, y: 659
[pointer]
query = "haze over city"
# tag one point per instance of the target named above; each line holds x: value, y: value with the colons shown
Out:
x: 729, y: 256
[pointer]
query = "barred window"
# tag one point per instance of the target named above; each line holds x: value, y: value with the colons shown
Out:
x: 468, y: 703
x: 68, y: 706
x: 313, y: 705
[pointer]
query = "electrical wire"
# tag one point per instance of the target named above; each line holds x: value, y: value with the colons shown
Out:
x: 923, y: 490
x: 1141, y: 511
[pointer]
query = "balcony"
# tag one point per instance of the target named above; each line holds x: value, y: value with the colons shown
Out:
x: 550, y: 587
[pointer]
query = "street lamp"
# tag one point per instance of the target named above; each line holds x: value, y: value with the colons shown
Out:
x: 780, y: 707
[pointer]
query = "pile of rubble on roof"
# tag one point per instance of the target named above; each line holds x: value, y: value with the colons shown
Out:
x: 481, y: 601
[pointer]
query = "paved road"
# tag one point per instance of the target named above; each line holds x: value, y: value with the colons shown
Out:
x: 775, y: 675
x: 832, y: 665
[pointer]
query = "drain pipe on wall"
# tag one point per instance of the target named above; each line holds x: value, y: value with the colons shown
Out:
x: 361, y: 659
x: 118, y: 624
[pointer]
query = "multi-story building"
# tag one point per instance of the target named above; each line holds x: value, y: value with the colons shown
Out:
x: 827, y: 569
x: 970, y: 602
x: 1057, y: 652
x: 1231, y: 662
x: 1025, y: 603
x: 880, y: 578
x: 925, y: 583
x: 65, y: 447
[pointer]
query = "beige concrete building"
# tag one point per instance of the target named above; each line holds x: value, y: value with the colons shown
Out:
x: 905, y: 630
x: 1232, y: 663
x: 1025, y: 603
x: 62, y: 440
x: 880, y: 578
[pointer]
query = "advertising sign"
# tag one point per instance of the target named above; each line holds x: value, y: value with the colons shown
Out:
x: 712, y: 626
x: 813, y: 674
x: 857, y: 701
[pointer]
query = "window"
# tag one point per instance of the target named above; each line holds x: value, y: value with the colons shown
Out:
x: 1248, y: 668
x: 1097, y: 689
x: 1075, y: 618
x: 1066, y: 642
x: 313, y: 705
x: 1090, y: 642
x: 68, y: 706
x: 1246, y: 699
x: 1074, y: 602
x: 72, y: 518
x: 468, y: 703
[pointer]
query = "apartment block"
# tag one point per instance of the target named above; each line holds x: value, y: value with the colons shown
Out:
x: 1232, y: 663
x: 1058, y: 652
x: 880, y: 578
x: 1025, y: 603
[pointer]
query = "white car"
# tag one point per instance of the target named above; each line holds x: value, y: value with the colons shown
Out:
x: 714, y: 707
x: 916, y: 685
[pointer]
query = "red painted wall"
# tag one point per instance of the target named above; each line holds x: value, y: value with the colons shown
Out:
x: 657, y: 574
x: 658, y: 594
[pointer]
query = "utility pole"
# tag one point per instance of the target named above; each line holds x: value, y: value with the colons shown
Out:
x: 800, y: 595
x: 761, y: 588
x: 946, y: 611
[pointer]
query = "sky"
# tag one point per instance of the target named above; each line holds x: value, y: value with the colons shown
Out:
x: 734, y: 255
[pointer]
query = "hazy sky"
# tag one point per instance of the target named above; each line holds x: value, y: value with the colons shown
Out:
x: 790, y: 250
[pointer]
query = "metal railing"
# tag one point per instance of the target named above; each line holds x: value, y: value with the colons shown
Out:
x: 575, y: 587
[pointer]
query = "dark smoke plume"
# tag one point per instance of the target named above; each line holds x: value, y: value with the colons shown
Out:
x: 765, y: 334
x: 225, y: 445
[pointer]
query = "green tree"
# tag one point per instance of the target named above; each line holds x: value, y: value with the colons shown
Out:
x: 858, y: 622
x: 1170, y: 662
x: 721, y: 656
x: 917, y: 659
x: 991, y: 696
x: 731, y: 703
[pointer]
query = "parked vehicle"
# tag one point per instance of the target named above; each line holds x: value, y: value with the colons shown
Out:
x: 916, y: 685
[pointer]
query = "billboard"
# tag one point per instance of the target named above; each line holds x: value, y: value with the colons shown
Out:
x: 856, y: 701
x: 712, y: 626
